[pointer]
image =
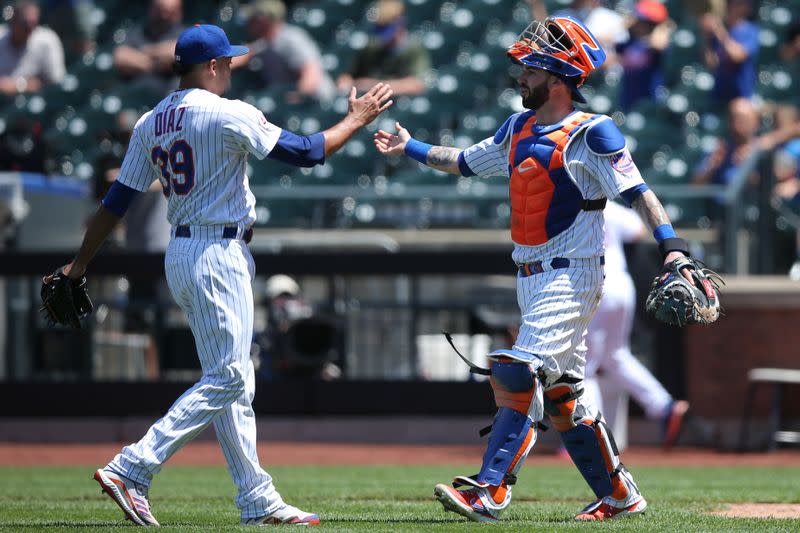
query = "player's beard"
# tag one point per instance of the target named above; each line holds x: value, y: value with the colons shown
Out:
x: 537, y: 96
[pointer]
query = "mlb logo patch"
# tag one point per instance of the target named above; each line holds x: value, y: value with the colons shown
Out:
x: 622, y: 162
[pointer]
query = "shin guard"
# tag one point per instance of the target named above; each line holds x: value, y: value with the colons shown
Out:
x: 518, y: 399
x: 592, y: 453
x: 587, y: 440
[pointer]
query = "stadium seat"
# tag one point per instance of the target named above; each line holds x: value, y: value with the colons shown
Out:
x: 418, y: 11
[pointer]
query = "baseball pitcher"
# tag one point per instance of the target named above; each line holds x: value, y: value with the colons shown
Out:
x: 197, y: 144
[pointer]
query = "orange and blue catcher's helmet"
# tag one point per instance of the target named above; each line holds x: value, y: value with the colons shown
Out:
x: 561, y: 45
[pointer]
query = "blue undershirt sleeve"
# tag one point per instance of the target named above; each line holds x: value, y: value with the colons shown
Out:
x: 299, y: 150
x: 629, y: 195
x: 119, y: 198
x: 463, y: 167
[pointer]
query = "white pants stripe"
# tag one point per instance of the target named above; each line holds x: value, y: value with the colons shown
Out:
x: 211, y: 280
x: 556, y: 307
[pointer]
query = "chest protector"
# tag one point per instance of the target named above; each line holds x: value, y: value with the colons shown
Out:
x: 544, y: 199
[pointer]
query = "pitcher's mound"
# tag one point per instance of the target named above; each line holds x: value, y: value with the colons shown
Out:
x: 760, y: 510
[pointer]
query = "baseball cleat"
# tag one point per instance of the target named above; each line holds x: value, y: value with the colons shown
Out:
x: 475, y: 503
x: 129, y: 495
x: 288, y: 514
x: 608, y: 507
x: 673, y: 423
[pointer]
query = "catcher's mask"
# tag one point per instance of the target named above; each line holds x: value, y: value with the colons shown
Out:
x: 562, y: 46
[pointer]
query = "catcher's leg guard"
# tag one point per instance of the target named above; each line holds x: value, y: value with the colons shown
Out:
x: 589, y: 443
x: 519, y: 403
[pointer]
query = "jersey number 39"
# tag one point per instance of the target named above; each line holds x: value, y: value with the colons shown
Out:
x: 177, y: 167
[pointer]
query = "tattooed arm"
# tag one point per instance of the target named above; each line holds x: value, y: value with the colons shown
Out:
x: 649, y: 208
x: 441, y: 158
x: 444, y: 158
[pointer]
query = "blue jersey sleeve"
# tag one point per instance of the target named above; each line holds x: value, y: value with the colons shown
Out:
x: 299, y: 150
x: 119, y: 198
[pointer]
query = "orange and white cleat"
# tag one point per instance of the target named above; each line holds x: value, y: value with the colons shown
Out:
x: 288, y: 514
x: 476, y: 503
x: 608, y: 507
x: 129, y: 495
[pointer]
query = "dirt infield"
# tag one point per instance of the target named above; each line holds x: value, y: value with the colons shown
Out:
x: 294, y: 453
x: 760, y: 510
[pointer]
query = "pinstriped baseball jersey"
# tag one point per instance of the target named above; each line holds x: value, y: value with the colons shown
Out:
x: 197, y: 144
x: 596, y: 176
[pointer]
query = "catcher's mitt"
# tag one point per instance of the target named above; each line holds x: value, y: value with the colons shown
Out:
x: 65, y: 301
x: 675, y: 301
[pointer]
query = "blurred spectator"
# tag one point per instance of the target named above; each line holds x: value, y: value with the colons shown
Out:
x: 786, y: 131
x: 721, y: 166
x: 23, y: 148
x: 73, y: 21
x: 641, y: 56
x: 787, y: 193
x: 147, y: 53
x: 790, y: 49
x: 391, y: 56
x: 145, y: 224
x: 112, y: 144
x: 285, y: 302
x: 284, y: 54
x: 606, y: 25
x: 297, y: 341
x: 285, y: 305
x: 731, y: 51
x: 30, y: 55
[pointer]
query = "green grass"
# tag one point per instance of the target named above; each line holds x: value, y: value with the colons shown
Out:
x: 395, y: 499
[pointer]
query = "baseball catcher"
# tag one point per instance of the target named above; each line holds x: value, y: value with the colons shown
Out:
x: 65, y: 301
x: 677, y: 299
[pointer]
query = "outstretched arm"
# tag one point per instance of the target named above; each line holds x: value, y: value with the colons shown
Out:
x: 442, y: 158
x: 361, y: 112
x: 310, y: 150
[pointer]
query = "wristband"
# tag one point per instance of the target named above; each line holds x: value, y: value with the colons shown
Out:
x: 664, y: 231
x: 418, y: 150
x: 673, y: 244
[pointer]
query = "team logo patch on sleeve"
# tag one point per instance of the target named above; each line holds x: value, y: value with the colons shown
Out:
x: 262, y: 120
x: 622, y: 162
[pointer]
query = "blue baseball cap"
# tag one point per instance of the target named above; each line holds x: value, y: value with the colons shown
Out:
x: 204, y: 42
